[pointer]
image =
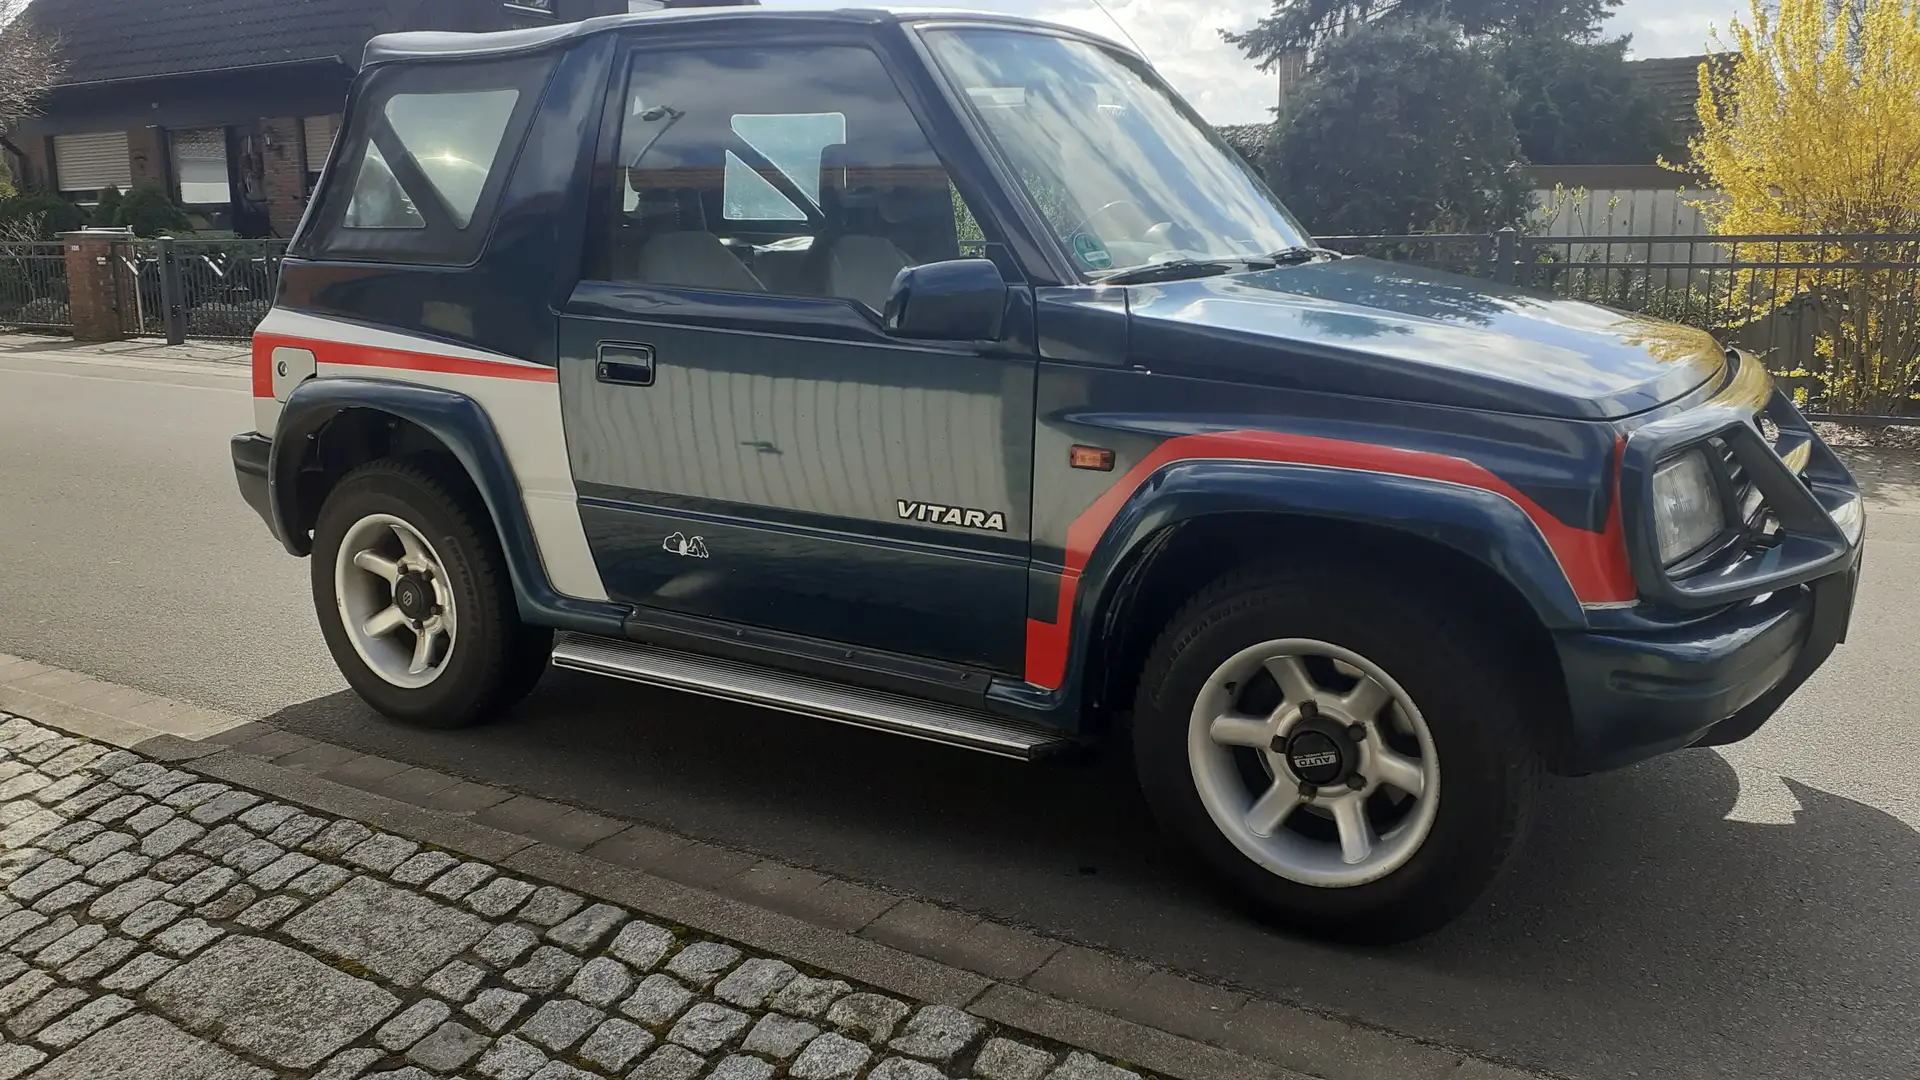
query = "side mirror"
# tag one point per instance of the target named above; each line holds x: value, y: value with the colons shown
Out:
x: 961, y: 300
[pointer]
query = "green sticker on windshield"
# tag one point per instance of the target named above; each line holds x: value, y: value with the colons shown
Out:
x: 1092, y: 251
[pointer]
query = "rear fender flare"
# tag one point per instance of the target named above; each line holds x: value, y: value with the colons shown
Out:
x: 463, y: 427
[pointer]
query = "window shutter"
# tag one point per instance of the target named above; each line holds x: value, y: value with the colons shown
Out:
x: 317, y: 132
x: 92, y: 162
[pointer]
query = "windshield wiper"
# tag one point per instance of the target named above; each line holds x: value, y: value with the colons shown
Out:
x: 1293, y: 256
x: 1174, y: 270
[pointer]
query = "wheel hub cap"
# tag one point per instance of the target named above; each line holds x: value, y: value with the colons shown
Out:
x: 413, y: 595
x: 1319, y: 753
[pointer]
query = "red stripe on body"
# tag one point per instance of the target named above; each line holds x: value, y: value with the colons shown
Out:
x: 1595, y: 563
x: 334, y: 352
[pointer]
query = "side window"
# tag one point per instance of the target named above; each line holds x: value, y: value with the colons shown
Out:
x: 424, y: 156
x: 798, y: 171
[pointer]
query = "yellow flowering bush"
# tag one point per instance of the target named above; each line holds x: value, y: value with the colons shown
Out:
x: 1814, y: 130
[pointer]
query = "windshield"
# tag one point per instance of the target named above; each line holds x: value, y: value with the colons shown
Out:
x: 1123, y: 173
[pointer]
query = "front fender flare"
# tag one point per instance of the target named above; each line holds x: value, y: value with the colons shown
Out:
x: 1482, y: 525
x: 464, y: 428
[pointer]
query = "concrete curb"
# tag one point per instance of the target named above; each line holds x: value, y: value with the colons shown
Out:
x: 1158, y: 1020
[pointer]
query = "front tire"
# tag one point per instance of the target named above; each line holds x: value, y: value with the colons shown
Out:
x: 414, y: 599
x: 1348, y: 754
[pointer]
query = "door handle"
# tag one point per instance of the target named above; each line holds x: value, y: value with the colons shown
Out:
x: 625, y: 364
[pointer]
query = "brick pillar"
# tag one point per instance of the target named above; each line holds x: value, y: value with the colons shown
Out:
x: 284, y: 169
x: 147, y: 155
x: 90, y: 283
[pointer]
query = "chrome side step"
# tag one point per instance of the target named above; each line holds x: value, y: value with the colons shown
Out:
x: 968, y: 729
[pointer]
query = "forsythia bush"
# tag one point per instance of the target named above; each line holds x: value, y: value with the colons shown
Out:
x: 1814, y: 129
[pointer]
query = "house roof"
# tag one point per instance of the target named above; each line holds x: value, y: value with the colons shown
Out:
x: 112, y: 40
x: 1675, y: 80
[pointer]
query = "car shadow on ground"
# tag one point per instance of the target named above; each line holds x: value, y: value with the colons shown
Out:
x: 1640, y: 912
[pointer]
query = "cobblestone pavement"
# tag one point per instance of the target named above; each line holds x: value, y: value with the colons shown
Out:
x: 159, y: 926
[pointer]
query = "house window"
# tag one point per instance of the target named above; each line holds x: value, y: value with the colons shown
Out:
x: 200, y: 166
x: 86, y: 165
x: 316, y: 136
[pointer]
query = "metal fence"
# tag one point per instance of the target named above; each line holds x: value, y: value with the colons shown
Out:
x: 1837, y: 317
x: 33, y: 286
x: 202, y: 289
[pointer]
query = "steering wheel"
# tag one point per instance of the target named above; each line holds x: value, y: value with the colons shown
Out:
x: 1087, y: 219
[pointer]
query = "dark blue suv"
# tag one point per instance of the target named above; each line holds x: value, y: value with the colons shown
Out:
x: 946, y: 375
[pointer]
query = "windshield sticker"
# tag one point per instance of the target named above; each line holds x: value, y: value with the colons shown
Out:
x: 1091, y: 251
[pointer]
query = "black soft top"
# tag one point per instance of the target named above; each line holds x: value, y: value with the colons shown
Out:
x: 435, y: 44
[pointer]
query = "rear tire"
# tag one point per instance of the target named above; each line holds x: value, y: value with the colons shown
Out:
x: 402, y: 553
x: 1405, y: 689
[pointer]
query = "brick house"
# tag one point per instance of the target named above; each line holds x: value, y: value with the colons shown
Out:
x: 230, y: 105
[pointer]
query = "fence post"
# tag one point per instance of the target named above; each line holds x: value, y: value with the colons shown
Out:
x: 92, y: 298
x: 170, y: 290
x: 1505, y: 254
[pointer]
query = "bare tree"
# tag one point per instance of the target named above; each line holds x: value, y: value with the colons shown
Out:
x: 29, y: 63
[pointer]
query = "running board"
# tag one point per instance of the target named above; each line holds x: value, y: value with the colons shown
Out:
x: 968, y: 729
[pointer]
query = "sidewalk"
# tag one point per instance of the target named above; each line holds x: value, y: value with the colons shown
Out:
x: 310, y: 896
x: 147, y: 349
x: 157, y: 924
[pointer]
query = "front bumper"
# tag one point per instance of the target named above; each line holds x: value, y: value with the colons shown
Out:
x: 251, y: 453
x: 1642, y: 692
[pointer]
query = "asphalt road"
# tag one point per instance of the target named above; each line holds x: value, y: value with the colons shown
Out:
x: 1747, y: 912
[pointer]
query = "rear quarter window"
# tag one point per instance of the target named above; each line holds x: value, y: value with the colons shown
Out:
x: 426, y: 151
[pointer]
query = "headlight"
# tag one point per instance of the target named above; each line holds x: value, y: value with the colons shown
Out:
x: 1687, y: 514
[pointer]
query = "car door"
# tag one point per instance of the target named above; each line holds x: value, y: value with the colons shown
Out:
x: 749, y: 444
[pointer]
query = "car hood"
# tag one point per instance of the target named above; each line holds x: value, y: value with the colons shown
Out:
x: 1388, y: 330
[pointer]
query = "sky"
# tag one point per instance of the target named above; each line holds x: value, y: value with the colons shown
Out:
x: 1182, y: 39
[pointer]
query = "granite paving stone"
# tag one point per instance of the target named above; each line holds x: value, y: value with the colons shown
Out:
x: 779, y: 1037
x: 400, y: 935
x: 494, y: 899
x: 171, y: 837
x: 905, y: 1069
x: 84, y: 1021
x: 72, y: 894
x: 546, y: 969
x: 39, y: 938
x: 703, y: 962
x: 223, y: 807
x: 810, y: 997
x: 145, y: 1047
x: 95, y: 961
x: 99, y: 847
x: 658, y: 999
x: 1004, y: 1059
x: 263, y: 998
x: 118, y: 867
x: 456, y: 981
x: 560, y: 1023
x: 450, y: 1046
x: 752, y: 983
x: 267, y: 817
x: 186, y: 937
x: 496, y: 1007
x: 871, y: 1016
x: 382, y: 852
x: 70, y: 944
x: 615, y: 1044
x: 265, y: 914
x: 276, y: 874
x: 549, y: 905
x: 742, y: 1067
x: 830, y: 1057
x: 939, y: 1033
x: 642, y: 944
x: 319, y: 880
x: 505, y: 944
x: 511, y: 1059
x: 601, y: 981
x: 297, y: 830
x: 349, y: 1063
x: 670, y: 1062
x: 709, y: 1026
x: 115, y: 810
x: 180, y: 867
x: 136, y: 973
x: 412, y: 1024
x: 228, y: 904
x: 422, y: 868
x: 44, y: 1009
